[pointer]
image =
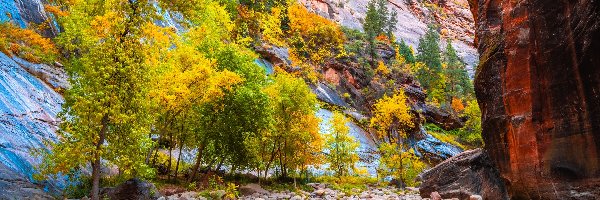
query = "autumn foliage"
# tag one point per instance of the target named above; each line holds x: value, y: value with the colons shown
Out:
x: 26, y: 43
x: 313, y: 37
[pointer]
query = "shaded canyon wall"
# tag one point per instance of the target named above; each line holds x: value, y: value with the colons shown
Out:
x: 538, y: 85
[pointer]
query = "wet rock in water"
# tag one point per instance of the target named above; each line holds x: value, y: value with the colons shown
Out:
x: 132, y: 189
x: 432, y: 148
x: 279, y: 56
x: 327, y: 94
x: 466, y: 174
x: 537, y: 87
x: 252, y: 188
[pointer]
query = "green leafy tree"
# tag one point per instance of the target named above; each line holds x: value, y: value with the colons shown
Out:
x: 471, y: 132
x: 341, y: 146
x: 242, y: 113
x: 106, y: 115
x: 295, y: 136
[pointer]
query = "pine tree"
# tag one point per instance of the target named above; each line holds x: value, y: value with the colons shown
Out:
x: 406, y: 52
x: 457, y: 77
x: 378, y: 21
x: 431, y: 75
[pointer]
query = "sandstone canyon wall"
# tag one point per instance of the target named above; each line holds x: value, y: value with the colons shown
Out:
x: 538, y: 86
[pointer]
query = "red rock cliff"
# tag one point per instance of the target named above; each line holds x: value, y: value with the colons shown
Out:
x: 538, y: 86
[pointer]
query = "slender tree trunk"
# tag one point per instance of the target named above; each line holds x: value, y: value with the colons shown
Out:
x: 155, y: 155
x: 170, y: 155
x: 97, y: 158
x: 179, y: 158
x: 198, y: 161
x: 147, y: 160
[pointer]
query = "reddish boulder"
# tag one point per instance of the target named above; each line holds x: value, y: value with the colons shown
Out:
x: 538, y: 86
x: 470, y: 173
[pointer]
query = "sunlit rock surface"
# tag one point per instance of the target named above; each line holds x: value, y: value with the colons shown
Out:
x: 28, y: 109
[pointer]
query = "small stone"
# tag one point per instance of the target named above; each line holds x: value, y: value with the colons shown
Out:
x: 435, y: 196
x: 160, y: 198
x: 475, y: 197
x: 259, y: 199
x: 320, y: 192
x: 297, y: 197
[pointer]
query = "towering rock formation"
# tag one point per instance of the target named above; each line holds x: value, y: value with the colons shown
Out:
x: 538, y: 86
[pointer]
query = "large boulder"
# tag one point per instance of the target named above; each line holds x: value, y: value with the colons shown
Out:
x: 251, y: 189
x: 443, y: 118
x: 133, y: 189
x: 538, y: 88
x: 468, y: 173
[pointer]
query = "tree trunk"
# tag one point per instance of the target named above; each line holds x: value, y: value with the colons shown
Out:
x: 97, y: 158
x: 147, y: 160
x: 197, y: 165
x: 179, y: 158
x: 170, y: 155
x: 155, y: 154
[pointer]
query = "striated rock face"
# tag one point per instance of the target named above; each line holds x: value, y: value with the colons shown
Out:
x: 538, y: 86
x: 26, y: 12
x: 28, y: 109
x: 454, y: 18
x: 468, y: 173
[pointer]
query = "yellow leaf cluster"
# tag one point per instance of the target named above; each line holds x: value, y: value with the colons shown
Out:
x: 457, y: 105
x: 392, y: 115
x: 341, y: 146
x: 381, y: 68
x: 270, y: 25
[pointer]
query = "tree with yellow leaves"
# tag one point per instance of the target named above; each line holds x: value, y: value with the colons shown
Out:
x: 184, y: 79
x: 295, y: 137
x: 341, y: 147
x: 107, y: 115
x: 312, y: 37
x: 392, y: 120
